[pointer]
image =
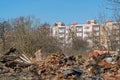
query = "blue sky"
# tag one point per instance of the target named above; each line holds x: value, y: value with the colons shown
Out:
x: 51, y: 11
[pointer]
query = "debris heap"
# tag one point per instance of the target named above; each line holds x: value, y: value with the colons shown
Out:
x: 15, y: 66
x: 97, y: 65
x: 59, y: 67
x: 103, y: 64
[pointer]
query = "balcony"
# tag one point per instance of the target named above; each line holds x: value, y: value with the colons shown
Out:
x: 96, y: 29
x: 96, y: 34
x: 61, y: 31
x: 116, y: 27
x: 79, y: 34
x: 79, y: 31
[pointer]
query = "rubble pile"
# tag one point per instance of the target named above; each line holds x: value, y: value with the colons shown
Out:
x: 59, y: 67
x: 104, y: 65
x: 15, y: 66
x: 97, y: 65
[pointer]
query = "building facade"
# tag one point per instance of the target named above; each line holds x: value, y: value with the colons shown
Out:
x: 110, y: 35
x: 98, y: 36
x: 60, y: 32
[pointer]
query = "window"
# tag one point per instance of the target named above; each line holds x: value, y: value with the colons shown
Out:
x: 79, y: 34
x: 61, y: 30
x: 96, y: 28
x: 61, y: 35
x: 79, y: 28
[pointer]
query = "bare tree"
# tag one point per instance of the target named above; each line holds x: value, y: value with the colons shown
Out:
x: 110, y: 32
x: 76, y: 44
x: 79, y: 44
x: 114, y: 5
x: 5, y: 29
x: 28, y: 38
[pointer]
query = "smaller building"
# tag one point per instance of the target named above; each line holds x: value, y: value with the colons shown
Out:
x: 110, y: 35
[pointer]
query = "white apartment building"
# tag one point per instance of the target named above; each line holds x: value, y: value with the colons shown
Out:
x: 89, y: 32
x: 85, y: 31
x: 97, y: 35
x: 60, y: 31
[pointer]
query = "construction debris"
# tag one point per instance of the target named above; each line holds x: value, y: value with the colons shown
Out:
x: 97, y: 65
x: 11, y: 64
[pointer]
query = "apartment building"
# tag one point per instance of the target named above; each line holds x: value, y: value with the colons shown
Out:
x: 98, y: 36
x: 60, y: 31
x: 110, y: 35
x: 77, y: 30
x: 89, y: 32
